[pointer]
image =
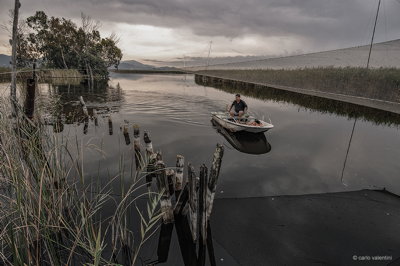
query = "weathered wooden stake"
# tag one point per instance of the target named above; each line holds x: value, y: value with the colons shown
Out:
x: 170, y: 178
x: 181, y: 207
x: 95, y: 117
x: 136, y: 146
x: 30, y: 98
x: 85, y: 125
x: 179, y: 182
x: 14, y: 42
x: 84, y: 107
x: 210, y: 246
x: 214, y: 174
x: 149, y: 145
x: 110, y: 126
x: 126, y: 135
x: 162, y: 185
x: 164, y: 242
x: 151, y: 158
x: 192, y: 202
x: 151, y: 167
x: 202, y: 218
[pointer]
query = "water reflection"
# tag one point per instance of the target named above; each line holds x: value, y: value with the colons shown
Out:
x: 251, y: 143
x: 309, y: 145
x: 312, y: 103
x: 62, y: 105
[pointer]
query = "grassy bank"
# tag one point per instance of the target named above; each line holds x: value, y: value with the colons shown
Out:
x: 382, y: 83
x: 51, y: 214
x: 308, y: 102
x: 131, y: 71
x: 41, y: 74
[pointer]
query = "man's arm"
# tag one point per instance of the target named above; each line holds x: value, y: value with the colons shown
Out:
x: 230, y: 108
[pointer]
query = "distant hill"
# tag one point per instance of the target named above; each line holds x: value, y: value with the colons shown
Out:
x: 5, y: 60
x: 124, y: 65
x: 136, y: 65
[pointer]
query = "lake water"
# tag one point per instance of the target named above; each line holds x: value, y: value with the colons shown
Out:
x: 303, y: 154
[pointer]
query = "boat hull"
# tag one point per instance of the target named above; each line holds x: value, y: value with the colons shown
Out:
x: 235, y: 127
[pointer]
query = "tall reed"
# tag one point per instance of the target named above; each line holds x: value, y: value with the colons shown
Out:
x: 50, y: 215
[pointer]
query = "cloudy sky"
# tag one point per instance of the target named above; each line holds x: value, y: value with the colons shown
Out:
x: 171, y: 29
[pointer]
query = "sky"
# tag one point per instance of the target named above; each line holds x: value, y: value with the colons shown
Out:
x: 171, y: 30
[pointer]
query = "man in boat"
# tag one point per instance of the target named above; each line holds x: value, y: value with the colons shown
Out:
x: 238, y: 107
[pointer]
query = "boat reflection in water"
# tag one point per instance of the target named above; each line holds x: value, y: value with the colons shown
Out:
x: 251, y: 143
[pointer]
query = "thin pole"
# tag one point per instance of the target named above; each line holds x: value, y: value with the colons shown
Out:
x: 208, y: 57
x: 13, y: 92
x: 373, y: 33
x: 355, y: 119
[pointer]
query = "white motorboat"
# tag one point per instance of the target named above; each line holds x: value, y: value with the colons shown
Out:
x: 246, y: 123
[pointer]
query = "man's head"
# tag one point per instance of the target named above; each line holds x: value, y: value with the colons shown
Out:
x: 238, y: 97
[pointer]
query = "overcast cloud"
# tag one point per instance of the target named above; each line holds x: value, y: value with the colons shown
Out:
x: 168, y: 29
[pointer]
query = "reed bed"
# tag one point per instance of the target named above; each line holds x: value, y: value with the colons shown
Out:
x: 51, y: 215
x: 379, y: 83
x: 70, y: 75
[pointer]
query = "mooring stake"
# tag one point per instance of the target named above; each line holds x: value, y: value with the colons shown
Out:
x: 30, y: 98
x: 213, y: 179
x: 84, y: 107
x: 192, y: 202
x: 126, y: 135
x: 162, y: 185
x: 110, y: 126
x: 202, y: 217
x: 149, y: 145
x: 170, y: 178
x: 179, y: 182
x: 136, y: 146
x: 95, y: 117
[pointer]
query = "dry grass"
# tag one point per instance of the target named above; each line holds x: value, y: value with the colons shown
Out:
x: 382, y: 83
x: 50, y: 215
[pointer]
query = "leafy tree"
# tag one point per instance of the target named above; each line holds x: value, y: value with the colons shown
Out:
x: 60, y: 43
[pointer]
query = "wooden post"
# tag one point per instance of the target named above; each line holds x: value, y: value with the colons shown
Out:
x: 192, y: 202
x: 202, y: 217
x: 151, y: 158
x: 110, y: 126
x: 149, y: 145
x: 30, y: 98
x: 164, y: 242
x: 162, y: 185
x: 181, y: 207
x: 95, y: 117
x: 179, y: 182
x: 136, y: 146
x: 85, y: 125
x: 214, y: 174
x: 14, y: 40
x: 126, y: 135
x: 170, y: 178
x: 84, y: 107
x: 183, y: 230
x: 210, y: 246
x: 151, y: 168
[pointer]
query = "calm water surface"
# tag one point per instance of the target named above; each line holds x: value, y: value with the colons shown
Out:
x: 303, y: 154
x: 307, y: 148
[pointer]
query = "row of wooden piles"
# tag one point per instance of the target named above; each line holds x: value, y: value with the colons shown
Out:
x: 186, y: 200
